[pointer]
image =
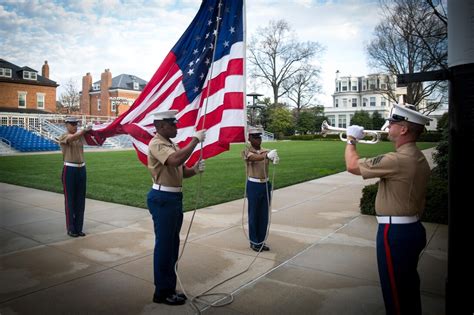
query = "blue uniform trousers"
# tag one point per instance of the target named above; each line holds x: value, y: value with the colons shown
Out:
x: 74, y: 186
x: 258, y: 210
x: 398, y: 249
x: 166, y: 209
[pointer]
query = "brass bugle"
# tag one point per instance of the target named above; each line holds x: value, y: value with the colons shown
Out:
x: 375, y: 134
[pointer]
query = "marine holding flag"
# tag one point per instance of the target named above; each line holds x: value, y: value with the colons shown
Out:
x: 202, y: 78
x: 165, y: 202
x: 202, y: 81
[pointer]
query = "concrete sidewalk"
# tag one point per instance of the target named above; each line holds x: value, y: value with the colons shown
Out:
x: 322, y: 258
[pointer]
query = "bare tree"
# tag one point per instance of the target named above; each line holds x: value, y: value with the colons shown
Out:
x: 412, y: 37
x: 69, y: 99
x: 302, y: 87
x: 275, y: 56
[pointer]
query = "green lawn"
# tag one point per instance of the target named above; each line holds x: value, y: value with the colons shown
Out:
x: 119, y: 177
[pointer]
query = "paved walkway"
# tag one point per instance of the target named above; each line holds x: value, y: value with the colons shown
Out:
x: 322, y: 258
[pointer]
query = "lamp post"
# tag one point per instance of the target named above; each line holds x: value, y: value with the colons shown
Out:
x: 254, y: 106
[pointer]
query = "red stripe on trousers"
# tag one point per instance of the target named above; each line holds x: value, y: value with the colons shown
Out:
x: 391, y: 273
x: 67, y: 210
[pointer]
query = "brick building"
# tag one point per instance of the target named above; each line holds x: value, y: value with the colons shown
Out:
x: 109, y: 96
x: 22, y: 89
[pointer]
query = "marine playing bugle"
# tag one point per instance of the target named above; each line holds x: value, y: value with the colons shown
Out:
x: 375, y: 134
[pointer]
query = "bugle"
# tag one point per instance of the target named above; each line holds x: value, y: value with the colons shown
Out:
x: 375, y: 134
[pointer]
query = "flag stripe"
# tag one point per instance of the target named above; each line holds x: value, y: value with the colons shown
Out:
x: 207, y: 94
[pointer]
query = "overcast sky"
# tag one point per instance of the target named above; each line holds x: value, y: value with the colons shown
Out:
x: 133, y: 37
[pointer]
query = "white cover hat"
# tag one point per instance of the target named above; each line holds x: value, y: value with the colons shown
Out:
x: 403, y: 113
x: 71, y: 120
x: 168, y: 115
x: 255, y: 130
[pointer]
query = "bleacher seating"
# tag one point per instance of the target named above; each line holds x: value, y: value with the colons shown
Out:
x: 26, y: 141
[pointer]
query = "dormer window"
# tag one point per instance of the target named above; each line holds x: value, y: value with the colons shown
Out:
x: 5, y: 72
x: 29, y: 75
x: 136, y: 86
x: 96, y: 86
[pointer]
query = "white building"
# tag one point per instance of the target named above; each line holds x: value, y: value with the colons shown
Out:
x: 352, y: 93
x: 368, y: 93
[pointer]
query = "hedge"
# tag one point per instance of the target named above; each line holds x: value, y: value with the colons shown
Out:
x: 436, y: 208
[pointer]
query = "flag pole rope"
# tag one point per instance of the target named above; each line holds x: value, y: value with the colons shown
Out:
x: 225, y: 296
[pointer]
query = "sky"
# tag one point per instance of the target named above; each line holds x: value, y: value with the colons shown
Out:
x: 133, y: 37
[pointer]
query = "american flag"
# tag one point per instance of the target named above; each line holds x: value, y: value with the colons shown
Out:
x: 203, y: 78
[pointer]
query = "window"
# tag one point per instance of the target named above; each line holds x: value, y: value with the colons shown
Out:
x: 354, y: 102
x: 40, y: 100
x: 372, y: 84
x: 342, y: 122
x: 383, y: 86
x: 383, y: 102
x: 96, y: 86
x: 354, y: 85
x: 344, y: 102
x: 98, y: 104
x: 336, y: 103
x: 28, y: 75
x: 136, y: 86
x: 5, y: 72
x: 364, y: 102
x: 331, y: 120
x: 113, y: 106
x: 372, y: 101
x: 344, y: 86
x: 22, y: 99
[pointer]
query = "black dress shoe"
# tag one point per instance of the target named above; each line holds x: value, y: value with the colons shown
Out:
x: 259, y: 248
x: 81, y: 234
x: 172, y: 299
x: 72, y: 234
x: 181, y: 295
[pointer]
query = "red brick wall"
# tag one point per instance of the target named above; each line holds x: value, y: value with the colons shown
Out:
x: 9, y: 95
x: 105, y: 84
x: 85, y: 102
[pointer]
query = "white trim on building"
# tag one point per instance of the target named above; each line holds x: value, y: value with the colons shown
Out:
x: 368, y: 93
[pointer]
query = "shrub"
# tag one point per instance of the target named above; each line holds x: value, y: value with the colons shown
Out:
x: 312, y: 137
x: 440, y: 156
x: 430, y: 136
x: 436, y: 208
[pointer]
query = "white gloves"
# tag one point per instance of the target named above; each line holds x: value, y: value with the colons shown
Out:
x: 273, y: 155
x: 356, y: 132
x: 199, y: 167
x: 200, y: 135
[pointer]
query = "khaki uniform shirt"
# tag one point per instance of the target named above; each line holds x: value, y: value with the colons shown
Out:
x: 159, y: 149
x: 256, y: 169
x: 73, y: 151
x: 404, y: 176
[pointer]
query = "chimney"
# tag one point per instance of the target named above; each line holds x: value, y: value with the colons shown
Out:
x: 105, y: 84
x: 45, y: 70
x: 85, y: 97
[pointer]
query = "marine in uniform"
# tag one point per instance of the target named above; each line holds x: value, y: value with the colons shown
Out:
x: 74, y: 176
x: 258, y: 187
x: 165, y: 201
x: 399, y: 204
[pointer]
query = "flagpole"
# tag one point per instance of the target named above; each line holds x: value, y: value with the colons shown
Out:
x: 210, y: 72
x: 244, y: 30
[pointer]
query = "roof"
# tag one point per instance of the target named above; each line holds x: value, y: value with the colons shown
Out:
x: 125, y: 82
x: 17, y: 75
x: 23, y: 110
